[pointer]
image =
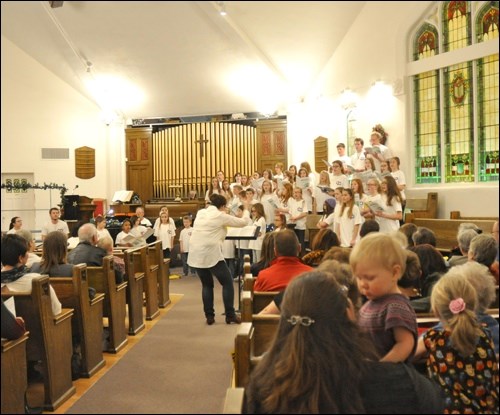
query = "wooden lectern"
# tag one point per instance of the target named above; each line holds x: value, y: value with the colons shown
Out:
x: 77, y: 208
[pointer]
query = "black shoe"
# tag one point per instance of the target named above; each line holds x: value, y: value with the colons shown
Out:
x: 233, y: 319
x: 210, y: 320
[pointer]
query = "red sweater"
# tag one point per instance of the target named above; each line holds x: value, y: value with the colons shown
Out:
x: 282, y: 270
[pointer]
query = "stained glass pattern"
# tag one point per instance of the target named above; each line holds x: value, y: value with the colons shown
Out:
x: 458, y: 124
x: 426, y: 42
x: 460, y: 128
x: 427, y: 128
x: 456, y: 25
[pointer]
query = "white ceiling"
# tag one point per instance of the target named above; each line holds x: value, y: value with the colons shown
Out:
x: 182, y: 56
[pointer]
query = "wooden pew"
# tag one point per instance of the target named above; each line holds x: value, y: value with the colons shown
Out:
x: 135, y: 289
x: 251, y: 341
x: 248, y: 282
x: 233, y: 403
x: 73, y: 292
x: 446, y: 230
x: 455, y: 214
x: 156, y: 260
x: 427, y: 320
x: 14, y: 375
x: 115, y: 301
x: 246, y: 264
x: 254, y: 302
x: 422, y: 208
x: 150, y: 282
x: 49, y: 340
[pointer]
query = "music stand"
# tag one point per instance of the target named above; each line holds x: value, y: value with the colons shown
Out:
x: 246, y: 233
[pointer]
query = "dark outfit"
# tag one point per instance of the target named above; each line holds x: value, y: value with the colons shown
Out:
x: 388, y: 388
x: 87, y: 254
x: 11, y: 328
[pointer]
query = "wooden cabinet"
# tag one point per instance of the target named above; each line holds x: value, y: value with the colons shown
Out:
x: 271, y: 144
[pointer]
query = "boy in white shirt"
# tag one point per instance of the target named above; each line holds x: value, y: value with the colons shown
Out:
x: 184, y: 238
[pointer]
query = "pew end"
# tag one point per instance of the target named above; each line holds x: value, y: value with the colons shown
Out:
x: 49, y: 340
x: 87, y: 318
x: 115, y: 308
x: 421, y: 208
x: 14, y: 374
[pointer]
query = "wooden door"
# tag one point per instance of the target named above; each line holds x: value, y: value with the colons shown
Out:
x: 271, y: 144
x: 139, y: 162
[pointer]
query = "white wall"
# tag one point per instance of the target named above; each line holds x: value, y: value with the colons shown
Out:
x: 39, y: 110
x: 376, y: 49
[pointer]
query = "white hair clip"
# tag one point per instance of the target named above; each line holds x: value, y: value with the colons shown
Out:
x: 304, y: 321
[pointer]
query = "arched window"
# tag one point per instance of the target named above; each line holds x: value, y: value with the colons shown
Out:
x: 456, y: 95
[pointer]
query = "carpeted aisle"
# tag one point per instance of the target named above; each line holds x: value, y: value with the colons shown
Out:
x: 180, y: 366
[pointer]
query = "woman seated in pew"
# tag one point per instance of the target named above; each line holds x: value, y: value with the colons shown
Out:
x: 433, y: 266
x: 32, y: 257
x: 323, y: 241
x: 267, y: 254
x: 106, y: 243
x: 15, y: 275
x: 54, y: 261
x: 54, y: 264
x: 320, y: 362
x: 483, y: 249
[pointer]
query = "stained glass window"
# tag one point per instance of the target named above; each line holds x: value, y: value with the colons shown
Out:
x: 487, y: 69
x: 426, y: 86
x: 458, y: 123
x: 456, y: 107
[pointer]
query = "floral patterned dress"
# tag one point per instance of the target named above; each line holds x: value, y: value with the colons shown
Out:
x: 470, y: 383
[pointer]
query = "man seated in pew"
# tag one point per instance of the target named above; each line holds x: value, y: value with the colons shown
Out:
x: 285, y: 267
x: 464, y: 239
x: 28, y: 236
x: 318, y: 325
x: 106, y: 243
x: 86, y: 251
x: 484, y: 249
